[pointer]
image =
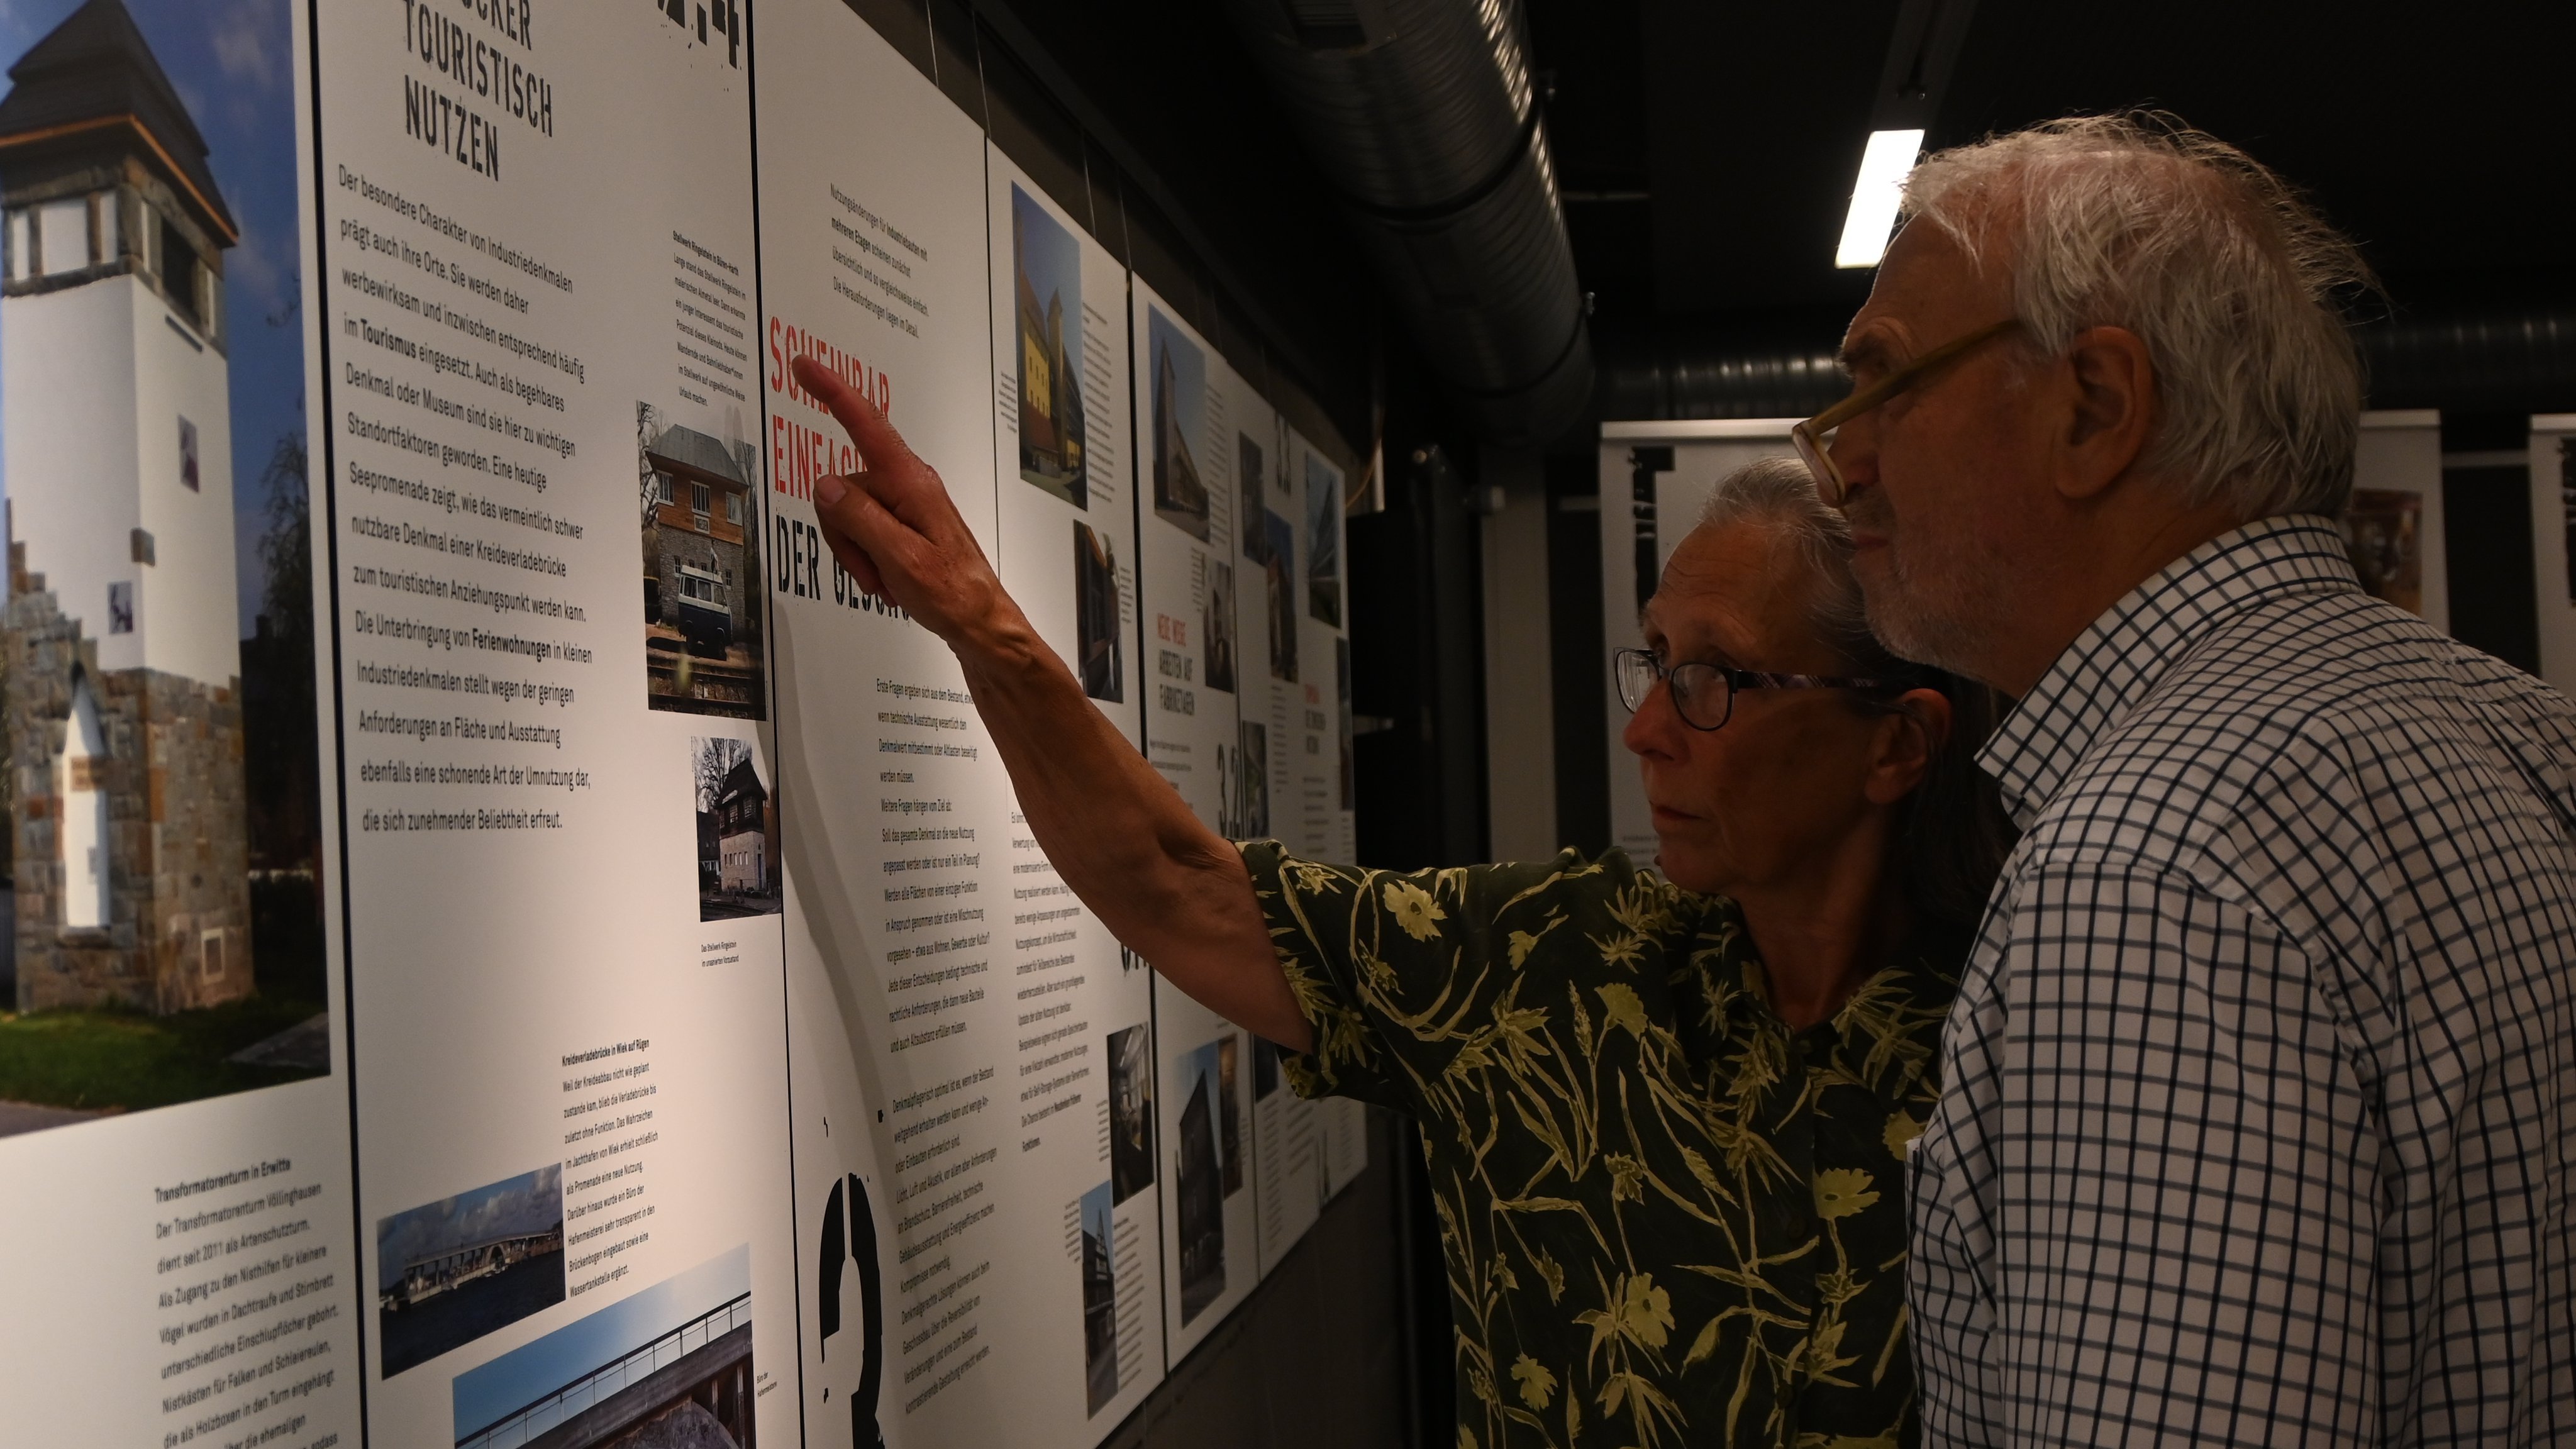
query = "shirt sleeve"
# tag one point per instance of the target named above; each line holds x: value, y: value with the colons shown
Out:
x: 1394, y: 971
x: 2144, y: 1210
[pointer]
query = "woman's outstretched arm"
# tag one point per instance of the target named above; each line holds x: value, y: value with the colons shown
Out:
x: 1170, y: 888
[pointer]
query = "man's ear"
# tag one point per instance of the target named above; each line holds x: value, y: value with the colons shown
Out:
x: 1909, y: 739
x: 2109, y: 385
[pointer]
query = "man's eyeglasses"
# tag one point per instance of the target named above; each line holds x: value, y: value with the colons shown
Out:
x: 1814, y: 438
x: 1704, y: 694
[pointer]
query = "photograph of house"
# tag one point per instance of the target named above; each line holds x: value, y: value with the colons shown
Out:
x: 701, y: 538
x: 145, y: 879
x: 1046, y: 280
x: 737, y: 831
x: 1131, y: 1111
x: 1099, y: 1300
x: 1179, y: 372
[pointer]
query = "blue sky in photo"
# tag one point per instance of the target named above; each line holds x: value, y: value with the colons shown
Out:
x: 1202, y: 1062
x: 1189, y: 378
x: 1323, y: 509
x: 233, y: 64
x: 533, y: 1370
x: 1096, y: 1210
x: 1051, y: 261
x: 532, y: 1202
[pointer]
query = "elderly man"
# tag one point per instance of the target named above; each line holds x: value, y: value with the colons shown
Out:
x: 2261, y: 1083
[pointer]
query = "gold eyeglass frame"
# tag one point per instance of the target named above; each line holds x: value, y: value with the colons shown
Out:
x: 1814, y: 438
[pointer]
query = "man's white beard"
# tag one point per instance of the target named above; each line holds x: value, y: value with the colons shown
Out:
x: 1935, y: 622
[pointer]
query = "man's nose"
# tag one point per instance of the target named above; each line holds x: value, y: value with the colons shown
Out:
x: 1854, y: 449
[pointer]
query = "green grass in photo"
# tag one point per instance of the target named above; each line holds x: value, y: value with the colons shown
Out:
x: 107, y: 1060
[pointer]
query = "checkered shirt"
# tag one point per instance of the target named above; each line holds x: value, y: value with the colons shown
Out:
x: 2262, y: 1076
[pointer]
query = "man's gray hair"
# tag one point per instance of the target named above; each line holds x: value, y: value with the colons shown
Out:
x: 2217, y: 264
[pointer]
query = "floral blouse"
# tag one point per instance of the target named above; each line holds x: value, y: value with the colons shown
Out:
x: 1668, y: 1218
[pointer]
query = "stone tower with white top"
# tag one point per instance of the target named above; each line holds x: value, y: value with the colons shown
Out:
x: 123, y: 706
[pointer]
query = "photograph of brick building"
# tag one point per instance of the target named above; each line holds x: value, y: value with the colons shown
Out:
x: 701, y: 542
x: 1046, y: 279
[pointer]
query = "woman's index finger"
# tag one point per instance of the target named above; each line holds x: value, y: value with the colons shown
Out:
x: 876, y: 439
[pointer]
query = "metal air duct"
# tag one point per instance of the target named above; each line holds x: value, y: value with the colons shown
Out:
x: 2493, y: 360
x: 1423, y: 116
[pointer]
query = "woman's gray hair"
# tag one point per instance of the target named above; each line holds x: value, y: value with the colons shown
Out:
x: 1952, y: 833
x: 2218, y: 265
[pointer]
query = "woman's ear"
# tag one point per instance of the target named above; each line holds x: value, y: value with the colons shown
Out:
x: 1909, y: 738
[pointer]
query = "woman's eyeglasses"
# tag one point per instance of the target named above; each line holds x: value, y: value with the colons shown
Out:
x: 1704, y: 694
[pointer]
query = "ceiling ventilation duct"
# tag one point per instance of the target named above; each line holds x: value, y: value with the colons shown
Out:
x: 1423, y: 117
x: 2497, y: 360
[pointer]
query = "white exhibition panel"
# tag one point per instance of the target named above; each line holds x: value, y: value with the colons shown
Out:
x: 1643, y: 517
x: 708, y: 1025
x: 2553, y: 543
x: 1081, y: 1007
x: 540, y: 1018
x: 1288, y: 1160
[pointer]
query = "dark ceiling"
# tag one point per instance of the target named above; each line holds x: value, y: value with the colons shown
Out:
x: 1707, y: 147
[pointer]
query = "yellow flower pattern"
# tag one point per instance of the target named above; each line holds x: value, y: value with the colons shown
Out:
x: 1668, y: 1219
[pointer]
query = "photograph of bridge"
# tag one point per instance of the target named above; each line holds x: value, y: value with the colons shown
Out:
x: 451, y: 1271
x: 666, y: 1367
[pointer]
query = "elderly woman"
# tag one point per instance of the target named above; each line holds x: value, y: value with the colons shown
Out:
x: 1663, y: 1116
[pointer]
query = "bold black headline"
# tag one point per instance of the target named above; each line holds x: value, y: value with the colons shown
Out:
x: 471, y: 51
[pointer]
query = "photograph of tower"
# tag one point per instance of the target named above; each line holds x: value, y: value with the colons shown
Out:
x: 1046, y: 277
x: 1180, y: 406
x: 1323, y: 541
x: 167, y: 943
x: 1199, y: 1182
x: 702, y: 595
x: 1247, y: 471
x: 1097, y: 655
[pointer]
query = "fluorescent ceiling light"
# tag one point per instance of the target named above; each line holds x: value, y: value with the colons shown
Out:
x: 1875, y: 197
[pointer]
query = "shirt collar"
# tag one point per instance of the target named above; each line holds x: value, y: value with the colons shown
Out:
x: 2112, y: 665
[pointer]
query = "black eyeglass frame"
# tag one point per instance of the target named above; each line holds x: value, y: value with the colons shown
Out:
x: 1814, y: 438
x: 1735, y: 680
